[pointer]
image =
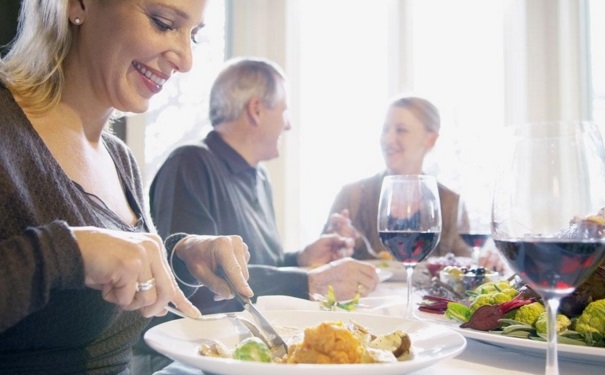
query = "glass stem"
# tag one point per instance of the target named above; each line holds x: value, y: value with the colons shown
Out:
x: 552, y: 364
x: 476, y: 254
x: 409, y: 309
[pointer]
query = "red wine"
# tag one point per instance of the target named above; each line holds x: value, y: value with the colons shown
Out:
x: 409, y: 247
x: 474, y: 239
x: 551, y: 265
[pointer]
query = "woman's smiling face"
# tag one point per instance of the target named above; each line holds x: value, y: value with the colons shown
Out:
x: 405, y: 141
x: 127, y: 49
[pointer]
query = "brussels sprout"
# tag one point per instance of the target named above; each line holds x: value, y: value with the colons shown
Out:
x: 252, y: 349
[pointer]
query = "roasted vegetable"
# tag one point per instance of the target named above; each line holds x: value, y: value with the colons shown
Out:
x: 592, y: 319
x: 562, y: 323
x: 487, y: 317
x: 329, y: 302
x: 252, y: 349
x: 530, y: 313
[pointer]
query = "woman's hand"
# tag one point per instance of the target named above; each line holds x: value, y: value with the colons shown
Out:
x: 204, y: 254
x: 347, y: 276
x: 115, y: 262
x: 340, y: 223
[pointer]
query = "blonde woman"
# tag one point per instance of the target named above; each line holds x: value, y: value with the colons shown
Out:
x: 409, y: 133
x: 82, y: 269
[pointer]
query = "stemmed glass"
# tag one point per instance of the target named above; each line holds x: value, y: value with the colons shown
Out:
x: 409, y: 221
x: 546, y: 218
x: 473, y: 224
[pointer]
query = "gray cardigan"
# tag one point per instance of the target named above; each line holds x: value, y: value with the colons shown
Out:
x: 49, y: 321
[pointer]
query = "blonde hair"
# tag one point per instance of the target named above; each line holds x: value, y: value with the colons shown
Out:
x: 32, y: 68
x: 424, y: 111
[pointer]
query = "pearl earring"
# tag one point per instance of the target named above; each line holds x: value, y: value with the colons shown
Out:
x: 77, y: 20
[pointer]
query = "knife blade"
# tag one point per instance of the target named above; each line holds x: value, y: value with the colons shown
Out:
x: 276, y: 344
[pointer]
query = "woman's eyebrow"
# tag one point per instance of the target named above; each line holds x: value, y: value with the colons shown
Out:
x: 180, y: 14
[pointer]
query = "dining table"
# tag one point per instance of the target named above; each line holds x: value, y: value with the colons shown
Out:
x: 478, y: 357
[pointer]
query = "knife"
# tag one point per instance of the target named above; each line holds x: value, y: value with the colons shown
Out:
x: 276, y: 344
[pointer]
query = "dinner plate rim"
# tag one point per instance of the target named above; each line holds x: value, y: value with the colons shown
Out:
x: 454, y: 344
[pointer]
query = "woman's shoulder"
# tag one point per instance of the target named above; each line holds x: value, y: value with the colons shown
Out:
x: 444, y: 190
x: 447, y: 195
x: 365, y: 183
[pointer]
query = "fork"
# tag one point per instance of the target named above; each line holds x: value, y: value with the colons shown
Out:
x: 254, y: 330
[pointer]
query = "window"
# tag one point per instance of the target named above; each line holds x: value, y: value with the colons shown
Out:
x: 348, y: 72
x: 343, y: 87
x: 597, y: 55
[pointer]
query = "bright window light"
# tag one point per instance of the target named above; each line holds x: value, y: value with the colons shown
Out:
x: 457, y: 62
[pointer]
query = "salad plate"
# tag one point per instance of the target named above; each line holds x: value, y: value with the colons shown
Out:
x: 180, y: 339
x: 576, y: 353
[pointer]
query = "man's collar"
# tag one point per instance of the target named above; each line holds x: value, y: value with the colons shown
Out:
x: 234, y: 161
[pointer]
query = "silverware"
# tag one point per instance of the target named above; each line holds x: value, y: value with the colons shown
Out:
x: 254, y: 330
x: 276, y: 344
x: 178, y: 312
x: 364, y: 239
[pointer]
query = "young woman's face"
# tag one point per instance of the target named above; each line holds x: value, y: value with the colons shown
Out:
x: 405, y: 141
x: 127, y: 49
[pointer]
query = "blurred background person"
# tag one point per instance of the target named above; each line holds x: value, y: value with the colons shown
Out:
x: 409, y: 133
x: 219, y: 186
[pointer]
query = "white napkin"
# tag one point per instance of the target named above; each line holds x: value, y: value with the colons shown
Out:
x: 387, y: 305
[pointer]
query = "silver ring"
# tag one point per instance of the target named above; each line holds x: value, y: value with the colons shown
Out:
x: 146, y: 285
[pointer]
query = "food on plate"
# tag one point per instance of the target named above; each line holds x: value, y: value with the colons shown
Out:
x: 487, y: 316
x: 253, y: 349
x: 530, y: 313
x: 326, y: 343
x: 436, y: 264
x: 337, y: 343
x: 385, y: 255
x: 215, y: 349
x: 329, y: 302
x: 592, y: 318
x: 462, y: 279
x: 517, y: 311
x: 562, y: 321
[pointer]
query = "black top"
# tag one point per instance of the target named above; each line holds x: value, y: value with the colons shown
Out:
x: 208, y: 188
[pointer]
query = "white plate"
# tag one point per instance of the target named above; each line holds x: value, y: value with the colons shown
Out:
x: 395, y: 268
x: 179, y: 340
x: 538, y: 348
x: 384, y: 275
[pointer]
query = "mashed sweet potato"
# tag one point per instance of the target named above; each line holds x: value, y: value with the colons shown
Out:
x: 329, y: 342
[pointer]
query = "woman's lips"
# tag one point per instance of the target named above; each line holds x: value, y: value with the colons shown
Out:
x: 151, y: 79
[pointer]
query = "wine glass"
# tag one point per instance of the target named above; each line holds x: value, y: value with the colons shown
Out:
x: 546, y: 219
x: 473, y: 224
x: 409, y: 221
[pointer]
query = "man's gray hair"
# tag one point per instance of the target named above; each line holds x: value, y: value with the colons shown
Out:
x: 241, y: 80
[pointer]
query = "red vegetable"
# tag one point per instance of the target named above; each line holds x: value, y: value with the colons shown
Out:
x: 486, y: 317
x: 434, y: 305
